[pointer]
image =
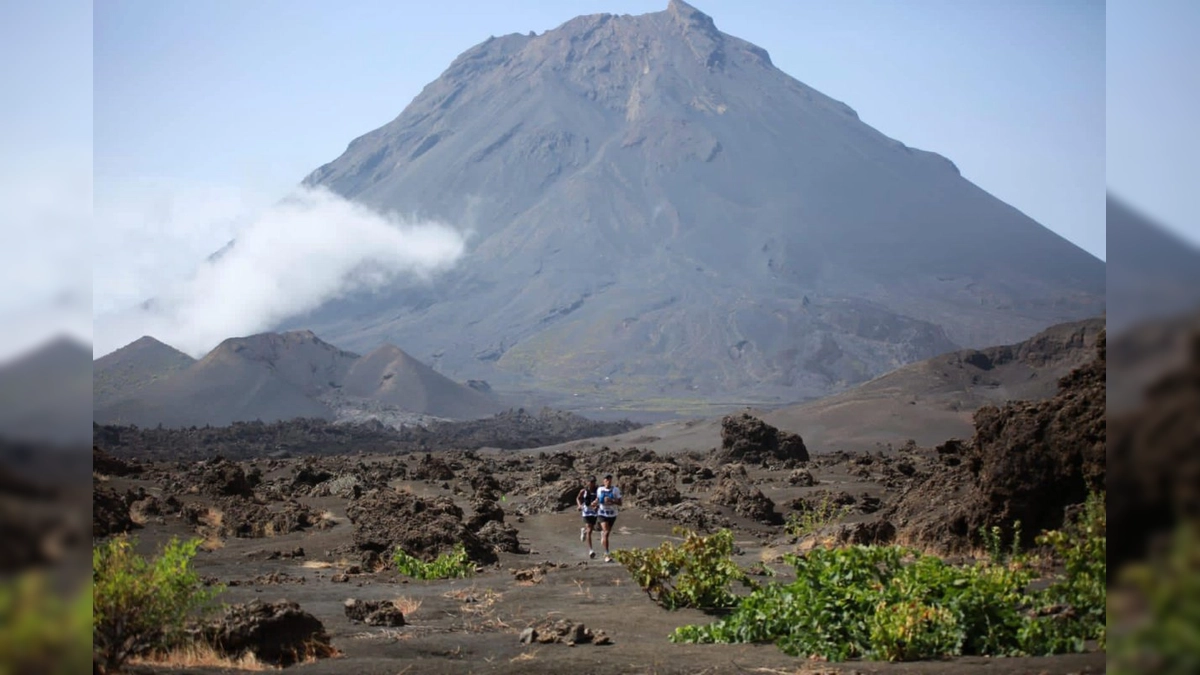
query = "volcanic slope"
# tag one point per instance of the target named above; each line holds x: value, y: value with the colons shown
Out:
x: 928, y: 401
x: 125, y: 372
x: 44, y: 394
x: 659, y: 213
x: 272, y: 377
x: 389, y: 375
x: 264, y: 377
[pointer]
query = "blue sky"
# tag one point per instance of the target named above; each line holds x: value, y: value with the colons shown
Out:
x: 1153, y: 93
x: 254, y: 95
x: 45, y: 172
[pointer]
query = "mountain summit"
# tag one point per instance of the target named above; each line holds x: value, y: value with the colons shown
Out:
x: 658, y: 211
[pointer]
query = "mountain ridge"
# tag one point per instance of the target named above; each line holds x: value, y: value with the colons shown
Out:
x: 655, y: 203
x: 270, y: 377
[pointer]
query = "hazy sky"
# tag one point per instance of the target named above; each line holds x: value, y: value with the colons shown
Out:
x: 1153, y: 94
x: 45, y: 172
x: 243, y: 99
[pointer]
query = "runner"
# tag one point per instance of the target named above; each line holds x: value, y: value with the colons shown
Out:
x: 608, y: 498
x: 586, y: 501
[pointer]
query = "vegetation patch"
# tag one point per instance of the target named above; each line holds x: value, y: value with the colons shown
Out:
x: 696, y: 573
x: 897, y: 604
x: 453, y: 565
x: 813, y: 520
x: 42, y: 631
x: 140, y: 605
x: 1157, y: 611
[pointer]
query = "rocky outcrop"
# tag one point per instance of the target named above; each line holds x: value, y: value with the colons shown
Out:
x: 107, y: 465
x: 277, y: 633
x: 747, y: 439
x: 110, y: 512
x: 733, y: 489
x: 563, y: 631
x: 1154, y: 477
x: 425, y: 528
x: 1027, y: 462
x: 373, y: 612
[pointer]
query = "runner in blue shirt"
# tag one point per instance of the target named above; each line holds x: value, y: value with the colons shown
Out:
x: 608, y: 498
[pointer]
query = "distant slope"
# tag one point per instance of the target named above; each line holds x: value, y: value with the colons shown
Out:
x: 927, y: 401
x: 261, y: 377
x: 1152, y: 272
x: 389, y: 375
x: 271, y: 377
x: 935, y: 399
x: 44, y: 394
x: 298, y: 357
x: 125, y: 372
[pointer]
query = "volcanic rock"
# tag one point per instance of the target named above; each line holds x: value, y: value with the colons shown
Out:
x: 279, y: 633
x: 386, y: 519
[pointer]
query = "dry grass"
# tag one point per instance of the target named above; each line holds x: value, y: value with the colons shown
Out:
x: 214, y: 518
x: 770, y: 555
x: 803, y: 670
x: 212, y: 542
x: 341, y: 563
x: 389, y: 634
x: 100, y: 478
x: 200, y: 655
x: 525, y: 656
x: 407, y: 606
x: 475, y: 601
x: 138, y: 518
x: 582, y: 590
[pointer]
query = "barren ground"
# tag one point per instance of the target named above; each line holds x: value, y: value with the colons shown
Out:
x: 472, y: 625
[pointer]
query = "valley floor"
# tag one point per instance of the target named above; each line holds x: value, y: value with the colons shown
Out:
x: 472, y: 625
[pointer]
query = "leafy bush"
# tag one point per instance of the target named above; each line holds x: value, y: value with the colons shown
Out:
x: 41, y: 631
x: 696, y: 573
x: 139, y: 605
x: 909, y: 630
x: 1158, y: 628
x: 825, y: 513
x: 993, y: 543
x: 892, y: 603
x: 452, y: 565
x: 1082, y: 548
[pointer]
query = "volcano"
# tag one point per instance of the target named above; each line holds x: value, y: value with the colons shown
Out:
x: 658, y: 213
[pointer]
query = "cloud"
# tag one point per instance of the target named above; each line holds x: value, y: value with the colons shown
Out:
x: 287, y: 259
x: 45, y: 216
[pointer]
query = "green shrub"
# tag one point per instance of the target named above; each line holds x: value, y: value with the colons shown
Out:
x: 140, y: 605
x: 1158, y: 630
x: 452, y: 565
x: 41, y: 631
x: 811, y: 521
x: 908, y: 631
x: 696, y: 573
x: 892, y: 603
x: 993, y: 543
x: 1082, y: 548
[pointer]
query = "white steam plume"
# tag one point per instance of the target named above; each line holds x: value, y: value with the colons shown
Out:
x: 310, y: 248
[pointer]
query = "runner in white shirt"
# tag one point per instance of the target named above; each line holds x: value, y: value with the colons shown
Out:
x: 608, y: 498
x: 586, y: 501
